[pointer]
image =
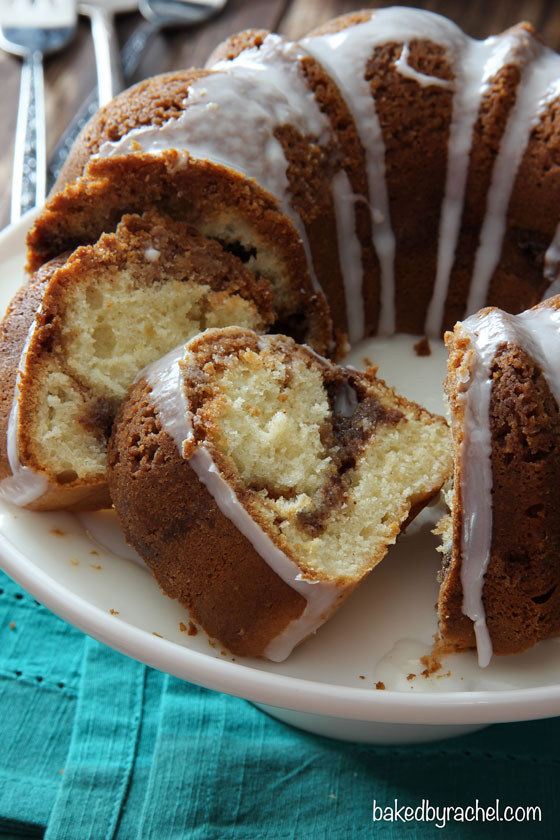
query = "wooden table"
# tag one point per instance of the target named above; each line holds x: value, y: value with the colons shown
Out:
x: 70, y: 76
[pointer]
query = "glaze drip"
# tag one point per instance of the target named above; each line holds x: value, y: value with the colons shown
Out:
x: 25, y: 485
x: 266, y: 86
x: 537, y: 332
x: 165, y: 380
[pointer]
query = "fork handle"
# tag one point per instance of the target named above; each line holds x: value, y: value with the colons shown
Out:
x: 131, y: 56
x: 107, y: 52
x: 30, y: 154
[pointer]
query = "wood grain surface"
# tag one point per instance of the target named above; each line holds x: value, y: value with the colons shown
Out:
x: 70, y: 75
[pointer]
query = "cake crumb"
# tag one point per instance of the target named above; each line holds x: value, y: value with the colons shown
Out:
x: 93, y: 566
x: 75, y: 562
x: 432, y: 664
x: 12, y: 625
x: 422, y: 347
x: 114, y: 612
x: 380, y: 686
x: 362, y: 677
x: 93, y: 551
x: 157, y: 634
x: 411, y: 676
x: 367, y: 362
x: 58, y: 532
x: 191, y: 630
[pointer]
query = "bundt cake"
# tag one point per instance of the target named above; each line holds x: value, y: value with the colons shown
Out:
x: 500, y: 586
x: 75, y: 337
x: 408, y: 171
x: 261, y: 482
x: 386, y: 173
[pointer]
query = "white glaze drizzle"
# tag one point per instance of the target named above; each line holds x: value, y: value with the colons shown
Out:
x: 403, y: 67
x: 25, y: 485
x: 344, y: 59
x: 231, y: 116
x: 277, y: 60
x: 345, y: 55
x: 350, y: 255
x: 286, y: 76
x: 474, y: 65
x: 541, y: 326
x: 537, y: 331
x: 166, y: 383
x: 264, y: 84
x: 539, y: 86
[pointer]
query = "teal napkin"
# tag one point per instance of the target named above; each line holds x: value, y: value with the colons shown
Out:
x: 95, y: 745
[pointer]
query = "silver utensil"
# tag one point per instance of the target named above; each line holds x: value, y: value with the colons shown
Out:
x: 105, y: 43
x: 158, y: 14
x: 32, y: 29
x: 168, y: 12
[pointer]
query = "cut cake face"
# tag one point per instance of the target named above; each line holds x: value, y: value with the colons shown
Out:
x: 76, y: 336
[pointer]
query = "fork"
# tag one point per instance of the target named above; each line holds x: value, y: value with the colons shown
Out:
x: 32, y: 29
x: 106, y: 44
x: 158, y: 14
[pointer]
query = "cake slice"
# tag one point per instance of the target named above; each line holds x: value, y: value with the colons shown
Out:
x: 261, y: 483
x: 500, y: 581
x: 75, y: 337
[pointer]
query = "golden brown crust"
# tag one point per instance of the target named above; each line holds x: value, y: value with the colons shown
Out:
x: 338, y: 24
x: 112, y: 187
x: 236, y: 44
x: 152, y: 101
